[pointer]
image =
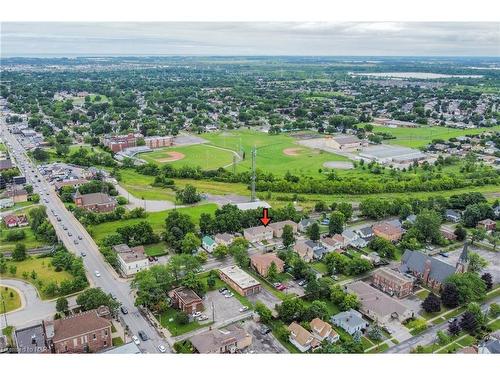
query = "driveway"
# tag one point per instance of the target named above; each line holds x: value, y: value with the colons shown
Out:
x: 265, y: 297
x: 224, y: 308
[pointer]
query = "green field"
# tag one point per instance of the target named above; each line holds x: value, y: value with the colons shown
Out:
x: 29, y: 241
x: 270, y: 155
x: 11, y: 298
x: 139, y: 186
x: 423, y: 135
x: 45, y: 273
x: 156, y: 219
x: 205, y: 156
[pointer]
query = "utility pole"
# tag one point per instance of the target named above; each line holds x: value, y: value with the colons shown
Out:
x: 234, y: 164
x: 254, y: 156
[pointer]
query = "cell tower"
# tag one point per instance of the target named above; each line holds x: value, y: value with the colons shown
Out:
x: 254, y: 177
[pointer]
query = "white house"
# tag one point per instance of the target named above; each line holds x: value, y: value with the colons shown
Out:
x: 131, y: 259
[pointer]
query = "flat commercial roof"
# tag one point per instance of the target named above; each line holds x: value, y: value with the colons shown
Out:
x: 390, y: 151
x: 252, y: 205
x: 239, y: 277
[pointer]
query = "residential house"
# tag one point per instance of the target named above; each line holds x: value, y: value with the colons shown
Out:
x: 86, y: 332
x: 323, y: 331
x: 431, y: 271
x: 378, y: 306
x: 305, y: 249
x: 262, y: 262
x: 239, y: 280
x: 230, y: 339
x: 186, y: 300
x: 392, y: 282
x: 351, y: 321
x: 6, y: 203
x: 10, y: 221
x: 366, y: 233
x: 487, y: 224
x: 17, y: 194
x: 208, y: 244
x: 301, y: 338
x: 334, y: 243
x: 5, y: 164
x: 350, y: 237
x: 452, y: 215
x: 304, y: 224
x: 95, y: 202
x: 491, y: 345
x: 387, y: 231
x: 258, y: 234
x: 447, y: 233
x: 131, y: 259
x: 224, y: 239
x: 278, y: 227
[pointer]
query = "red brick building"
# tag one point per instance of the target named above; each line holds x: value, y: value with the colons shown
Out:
x: 121, y: 142
x: 87, y: 332
x: 262, y: 262
x: 392, y: 282
x: 96, y: 202
x: 186, y: 300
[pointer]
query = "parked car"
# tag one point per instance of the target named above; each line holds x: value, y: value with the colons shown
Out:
x: 83, y: 254
x: 302, y: 282
x: 136, y: 340
x: 196, y: 314
x: 244, y: 308
x: 222, y: 290
x: 229, y: 295
x: 143, y: 335
x: 444, y: 255
x: 265, y: 330
x: 162, y: 349
x: 276, y: 285
x: 281, y: 287
x: 202, y: 318
x: 124, y: 310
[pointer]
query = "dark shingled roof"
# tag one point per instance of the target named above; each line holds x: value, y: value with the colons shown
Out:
x: 415, y: 261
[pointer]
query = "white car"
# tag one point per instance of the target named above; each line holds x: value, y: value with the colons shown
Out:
x: 229, y: 295
x: 97, y: 273
x: 162, y: 349
x: 196, y: 314
x: 136, y: 340
x: 244, y: 308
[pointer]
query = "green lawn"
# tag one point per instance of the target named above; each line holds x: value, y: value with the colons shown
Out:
x: 117, y: 341
x: 45, y: 273
x: 270, y: 155
x: 379, y: 349
x: 17, y: 206
x: 202, y: 155
x: 29, y: 241
x: 156, y: 249
x: 320, y: 267
x: 156, y: 219
x: 167, y: 320
x: 422, y: 294
x: 423, y: 135
x: 140, y: 187
x: 11, y: 298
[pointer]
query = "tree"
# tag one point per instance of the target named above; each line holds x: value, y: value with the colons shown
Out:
x: 320, y: 206
x: 19, y: 253
x: 460, y: 232
x: 477, y: 235
x: 431, y: 304
x: 476, y: 263
x: 454, y: 327
x: 190, y: 243
x: 288, y: 236
x: 313, y: 232
x: 427, y: 226
x: 3, y: 264
x: 265, y: 314
x: 40, y: 154
x: 272, y: 272
x: 181, y: 318
x: 384, y: 248
x: 468, y: 322
x: 350, y: 301
x: 220, y: 252
x: 62, y: 304
x: 291, y: 309
x: 443, y: 338
x: 346, y: 209
x: 375, y: 333
x: 474, y: 213
x: 206, y: 224
x: 318, y: 309
x: 92, y: 298
x: 494, y: 310
x: 188, y: 195
x: 177, y: 225
x: 337, y: 222
x: 469, y: 285
x: 475, y: 309
x: 488, y: 280
x: 449, y: 296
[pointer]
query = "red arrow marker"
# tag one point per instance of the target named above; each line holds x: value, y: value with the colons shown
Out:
x: 265, y: 219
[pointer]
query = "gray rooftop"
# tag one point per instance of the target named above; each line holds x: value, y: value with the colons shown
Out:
x: 415, y: 261
x: 350, y: 318
x: 31, y: 339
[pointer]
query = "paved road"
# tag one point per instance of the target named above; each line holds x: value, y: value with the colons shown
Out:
x: 81, y: 242
x: 33, y: 308
x: 429, y: 336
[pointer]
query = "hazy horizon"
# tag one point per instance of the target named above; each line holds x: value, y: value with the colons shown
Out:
x: 321, y: 39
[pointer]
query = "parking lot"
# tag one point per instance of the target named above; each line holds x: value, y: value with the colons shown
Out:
x: 493, y: 259
x: 225, y: 308
x: 261, y: 343
x: 265, y: 297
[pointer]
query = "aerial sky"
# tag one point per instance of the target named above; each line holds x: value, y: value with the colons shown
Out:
x: 255, y: 38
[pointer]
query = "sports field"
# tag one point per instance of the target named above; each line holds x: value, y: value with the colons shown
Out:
x: 275, y: 153
x: 205, y: 156
x: 421, y: 136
